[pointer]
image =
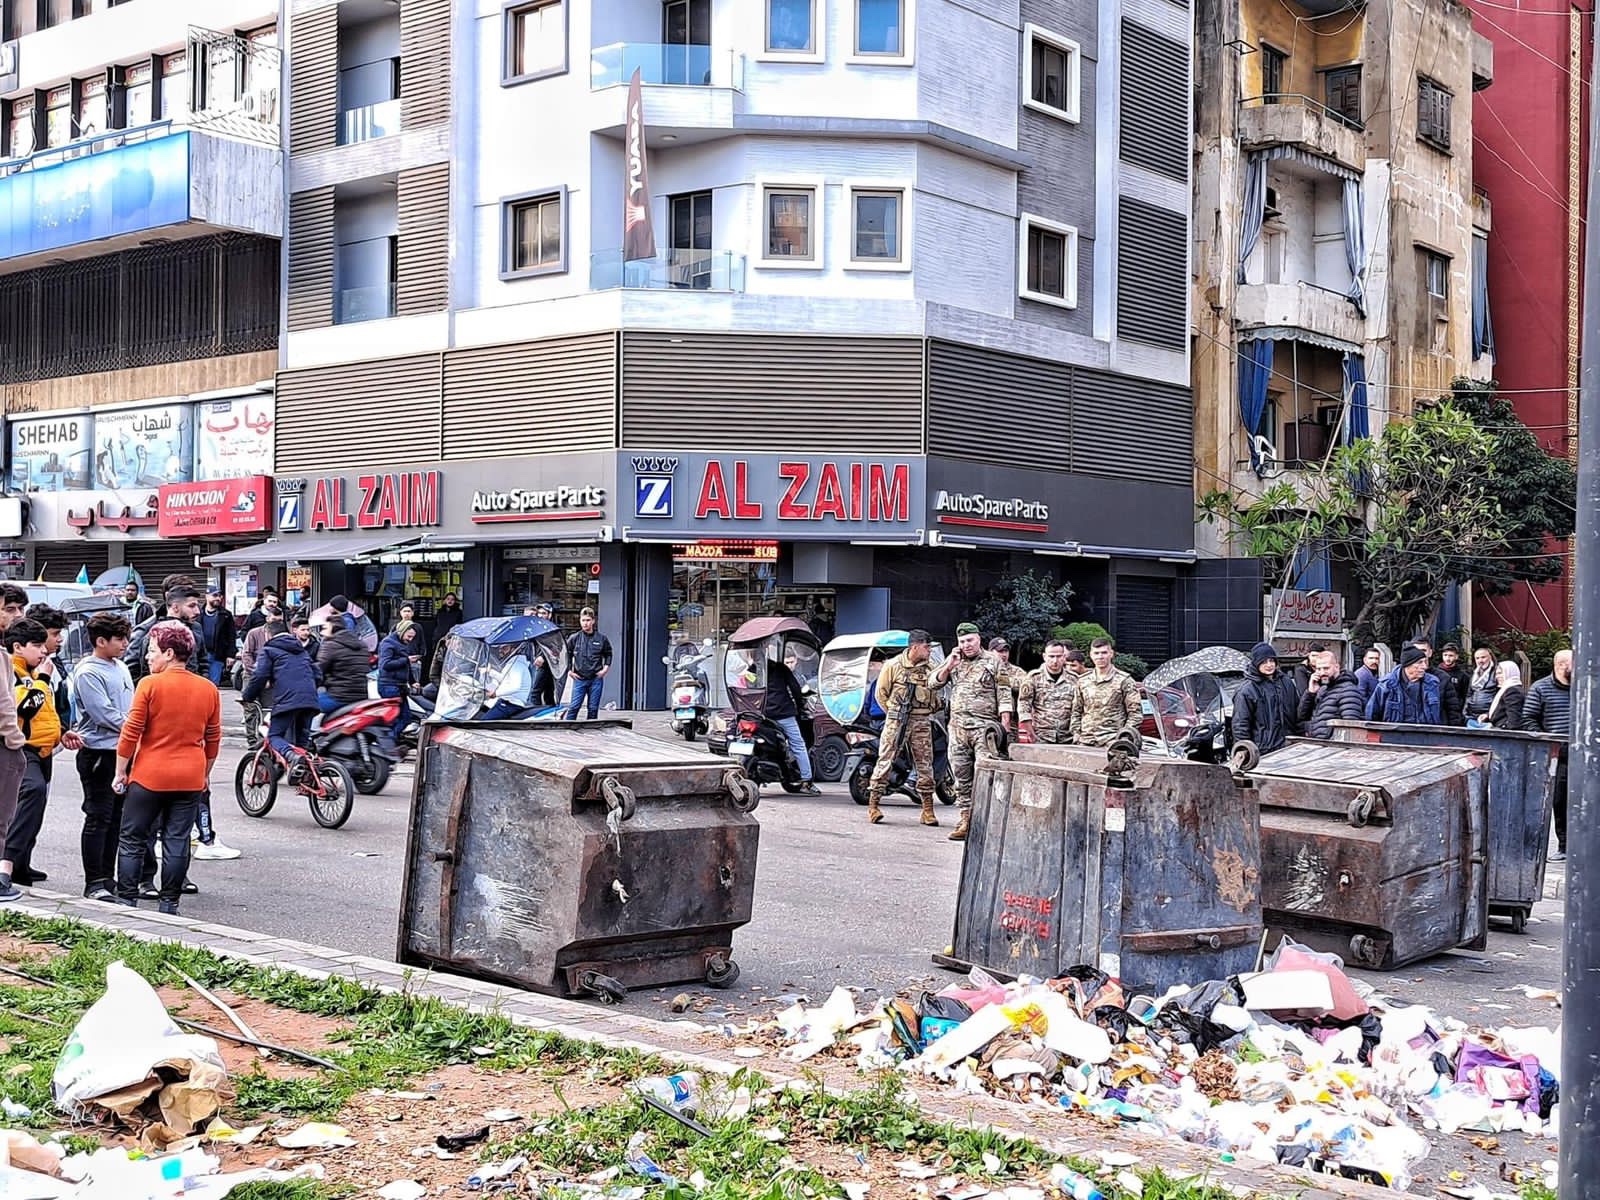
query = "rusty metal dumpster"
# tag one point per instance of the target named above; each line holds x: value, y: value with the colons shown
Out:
x: 1522, y: 780
x: 575, y: 858
x: 1375, y: 852
x: 1153, y: 877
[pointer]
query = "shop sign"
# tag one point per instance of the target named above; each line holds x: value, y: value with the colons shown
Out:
x: 141, y: 514
x: 390, y: 500
x: 216, y: 509
x: 234, y: 438
x: 726, y: 551
x: 583, y: 502
x: 976, y: 510
x: 1307, y: 612
x: 50, y: 454
x: 13, y: 562
x: 144, y: 447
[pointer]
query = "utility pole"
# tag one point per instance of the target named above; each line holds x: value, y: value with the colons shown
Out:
x: 1580, y: 1045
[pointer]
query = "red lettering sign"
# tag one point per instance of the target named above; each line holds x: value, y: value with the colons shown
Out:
x: 713, y: 501
x: 395, y: 499
x: 888, y: 493
x: 811, y: 492
x: 1024, y: 913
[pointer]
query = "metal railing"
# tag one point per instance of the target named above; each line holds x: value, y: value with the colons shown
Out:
x: 1304, y: 101
x: 672, y: 65
x: 671, y: 270
x: 112, y: 139
x: 374, y: 303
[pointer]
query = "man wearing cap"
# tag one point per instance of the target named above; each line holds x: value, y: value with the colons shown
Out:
x: 978, y: 698
x: 1045, y: 705
x: 1266, y: 708
x: 1408, y: 695
x: 909, y: 700
x: 544, y: 675
x: 1015, y: 678
x: 219, y: 635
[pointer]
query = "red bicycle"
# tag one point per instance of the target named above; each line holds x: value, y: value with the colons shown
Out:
x: 324, y: 782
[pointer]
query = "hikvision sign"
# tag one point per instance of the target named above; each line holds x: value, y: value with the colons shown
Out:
x: 574, y: 503
x: 991, y: 512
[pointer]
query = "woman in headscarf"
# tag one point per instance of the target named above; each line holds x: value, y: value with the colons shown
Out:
x: 1506, y: 710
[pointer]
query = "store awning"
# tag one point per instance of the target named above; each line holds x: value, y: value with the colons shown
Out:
x: 309, y: 550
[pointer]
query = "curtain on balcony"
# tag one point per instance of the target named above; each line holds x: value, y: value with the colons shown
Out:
x: 1255, y: 370
x: 1359, y: 421
x: 1482, y: 327
x: 1355, y: 250
x: 1254, y: 212
x: 1255, y: 207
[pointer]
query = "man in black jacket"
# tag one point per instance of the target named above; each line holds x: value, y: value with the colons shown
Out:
x: 785, y: 701
x: 1331, y: 695
x: 344, y: 661
x: 589, y: 660
x: 1548, y: 709
x: 1265, y: 708
x: 219, y: 635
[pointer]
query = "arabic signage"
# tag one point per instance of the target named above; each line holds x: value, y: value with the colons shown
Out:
x: 390, y: 500
x: 49, y: 454
x: 144, y: 447
x: 1307, y: 612
x: 234, y: 438
x: 217, y: 508
x: 584, y: 502
x: 749, y: 494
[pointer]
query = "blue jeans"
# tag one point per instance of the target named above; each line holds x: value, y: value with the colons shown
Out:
x: 216, y: 667
x: 390, y: 691
x: 797, y: 743
x: 585, y: 689
x: 290, y: 731
x: 504, y: 710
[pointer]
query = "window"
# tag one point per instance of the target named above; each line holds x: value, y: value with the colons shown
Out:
x: 1273, y: 62
x: 791, y: 226
x: 174, y: 85
x: 1433, y: 113
x: 1436, y: 274
x: 369, y: 105
x: 137, y: 95
x: 1049, y: 262
x: 92, y: 111
x: 58, y: 115
x: 533, y: 234
x: 875, y: 227
x: 19, y: 135
x: 364, y: 273
x: 1052, y: 67
x: 880, y: 30
x: 1342, y: 89
x: 792, y: 28
x: 691, y: 230
x: 535, y: 40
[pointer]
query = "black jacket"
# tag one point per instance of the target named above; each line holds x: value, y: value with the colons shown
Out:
x: 445, y: 620
x: 220, y: 633
x: 587, y: 653
x: 1340, y: 699
x: 1508, y: 713
x: 1477, y: 700
x: 286, y: 667
x: 784, y: 697
x: 133, y: 657
x: 1547, y: 708
x: 1450, y: 698
x: 1265, y: 711
x: 344, y: 660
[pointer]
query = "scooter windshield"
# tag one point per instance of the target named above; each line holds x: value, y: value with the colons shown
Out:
x: 1185, y: 706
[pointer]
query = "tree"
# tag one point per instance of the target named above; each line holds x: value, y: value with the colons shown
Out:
x: 1023, y: 609
x: 1412, y: 512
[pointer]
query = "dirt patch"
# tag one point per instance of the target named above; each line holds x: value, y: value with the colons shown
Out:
x: 280, y: 1026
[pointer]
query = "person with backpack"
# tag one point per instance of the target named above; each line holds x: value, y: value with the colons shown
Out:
x: 41, y: 726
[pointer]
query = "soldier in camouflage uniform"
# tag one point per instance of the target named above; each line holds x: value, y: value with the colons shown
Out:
x: 1108, y: 700
x: 979, y: 697
x: 909, y: 700
x: 1014, y: 677
x: 1045, y: 705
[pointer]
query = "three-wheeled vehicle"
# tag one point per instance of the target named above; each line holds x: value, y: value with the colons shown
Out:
x: 1192, y: 702
x: 851, y: 665
x: 493, y: 658
x: 754, y: 738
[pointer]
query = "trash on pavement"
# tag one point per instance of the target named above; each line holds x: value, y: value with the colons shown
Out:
x: 457, y: 1142
x: 642, y: 1164
x: 317, y: 1135
x: 128, y: 1060
x: 114, y: 1173
x: 402, y: 1189
x: 490, y: 1172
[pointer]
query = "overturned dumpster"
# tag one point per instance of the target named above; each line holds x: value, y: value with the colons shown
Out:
x: 1522, y: 780
x: 576, y: 858
x: 1150, y: 871
x: 1378, y: 853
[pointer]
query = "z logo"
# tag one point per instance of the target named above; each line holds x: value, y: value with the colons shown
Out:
x: 652, y: 495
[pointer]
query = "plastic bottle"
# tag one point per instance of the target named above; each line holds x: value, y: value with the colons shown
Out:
x: 1070, y: 1183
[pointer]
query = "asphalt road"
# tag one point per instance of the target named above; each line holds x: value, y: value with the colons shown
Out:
x: 837, y: 900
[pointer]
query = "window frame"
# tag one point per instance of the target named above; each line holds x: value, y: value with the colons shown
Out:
x: 1329, y: 74
x: 907, y: 55
x: 855, y: 188
x: 1431, y: 258
x: 510, y: 10
x: 1440, y: 120
x: 1271, y: 54
x: 1026, y: 222
x: 819, y: 37
x: 817, y: 259
x: 1073, y: 113
x: 509, y: 206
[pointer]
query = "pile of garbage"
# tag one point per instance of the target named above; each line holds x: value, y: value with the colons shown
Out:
x: 1296, y: 1064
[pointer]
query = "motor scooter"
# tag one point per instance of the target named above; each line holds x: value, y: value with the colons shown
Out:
x: 862, y: 760
x: 691, y: 690
x: 760, y: 744
x: 354, y: 735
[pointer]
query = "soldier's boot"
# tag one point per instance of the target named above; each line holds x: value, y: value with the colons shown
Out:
x: 959, y: 833
x: 927, y: 811
x: 874, y: 813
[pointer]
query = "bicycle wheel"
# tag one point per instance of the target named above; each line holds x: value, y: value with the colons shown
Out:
x: 255, y: 785
x: 333, y: 806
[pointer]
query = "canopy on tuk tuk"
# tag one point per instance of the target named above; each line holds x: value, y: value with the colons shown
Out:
x: 475, y: 655
x: 753, y: 644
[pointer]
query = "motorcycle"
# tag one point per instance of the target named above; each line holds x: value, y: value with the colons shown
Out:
x: 763, y: 748
x: 754, y: 738
x: 863, y: 761
x: 691, y: 690
x: 354, y: 736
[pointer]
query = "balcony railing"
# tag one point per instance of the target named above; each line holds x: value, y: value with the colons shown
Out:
x: 363, y: 304
x: 685, y: 270
x: 110, y: 140
x: 671, y: 65
x: 369, y: 121
x: 1296, y: 98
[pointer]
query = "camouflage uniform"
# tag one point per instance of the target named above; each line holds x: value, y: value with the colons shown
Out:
x: 978, y: 695
x: 1047, y: 701
x: 908, y: 700
x: 1015, y: 679
x: 1104, y: 707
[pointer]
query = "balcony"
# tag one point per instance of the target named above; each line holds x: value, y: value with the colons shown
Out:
x: 116, y: 190
x: 369, y: 121
x: 665, y: 66
x: 1303, y: 306
x: 1292, y: 120
x: 353, y: 305
x: 672, y: 270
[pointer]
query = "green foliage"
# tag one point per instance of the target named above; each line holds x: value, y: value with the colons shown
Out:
x: 1081, y: 634
x: 1539, y: 647
x: 1023, y: 609
x: 1132, y: 664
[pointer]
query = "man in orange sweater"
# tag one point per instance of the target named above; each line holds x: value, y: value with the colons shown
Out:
x: 41, y: 724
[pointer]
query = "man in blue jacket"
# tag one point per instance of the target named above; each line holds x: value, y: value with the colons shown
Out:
x: 286, y: 667
x: 1408, y: 695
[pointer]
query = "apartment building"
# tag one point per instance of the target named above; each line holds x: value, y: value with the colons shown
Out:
x: 1339, y: 240
x: 916, y: 316
x: 141, y: 213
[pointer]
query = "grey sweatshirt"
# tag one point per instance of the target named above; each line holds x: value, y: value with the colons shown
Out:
x: 104, y: 691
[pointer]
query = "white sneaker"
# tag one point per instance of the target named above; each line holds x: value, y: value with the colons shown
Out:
x: 217, y: 851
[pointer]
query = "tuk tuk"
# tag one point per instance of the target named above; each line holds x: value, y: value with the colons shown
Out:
x: 479, y: 654
x: 744, y: 671
x: 75, y: 643
x: 1191, y: 703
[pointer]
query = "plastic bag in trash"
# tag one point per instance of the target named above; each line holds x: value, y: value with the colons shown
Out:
x: 1113, y: 1020
x: 1188, y: 1017
x: 1292, y: 956
x: 942, y: 1008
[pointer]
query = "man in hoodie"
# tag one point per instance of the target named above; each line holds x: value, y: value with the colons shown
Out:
x: 1548, y: 709
x: 13, y: 759
x: 341, y: 609
x: 41, y: 724
x: 1409, y: 694
x: 1265, y: 707
x: 343, y: 659
x: 1332, y: 694
x: 218, y: 635
x: 396, y: 655
x: 105, y: 694
x: 286, y: 667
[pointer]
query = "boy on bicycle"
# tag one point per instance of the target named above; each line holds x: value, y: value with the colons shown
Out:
x: 286, y: 667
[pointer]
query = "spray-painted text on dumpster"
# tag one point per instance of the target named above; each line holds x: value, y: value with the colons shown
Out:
x: 1023, y: 913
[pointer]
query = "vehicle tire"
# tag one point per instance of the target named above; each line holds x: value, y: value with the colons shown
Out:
x: 861, y: 783
x: 370, y: 780
x: 722, y: 973
x: 944, y: 786
x: 793, y: 787
x: 688, y: 732
x: 255, y: 785
x: 827, y: 759
x: 604, y: 988
x: 334, y: 808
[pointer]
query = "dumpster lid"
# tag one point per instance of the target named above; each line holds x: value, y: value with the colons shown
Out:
x: 1468, y: 736
x: 1381, y: 767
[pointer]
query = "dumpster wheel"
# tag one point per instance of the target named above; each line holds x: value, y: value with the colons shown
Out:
x: 1246, y: 756
x: 604, y: 988
x: 721, y: 972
